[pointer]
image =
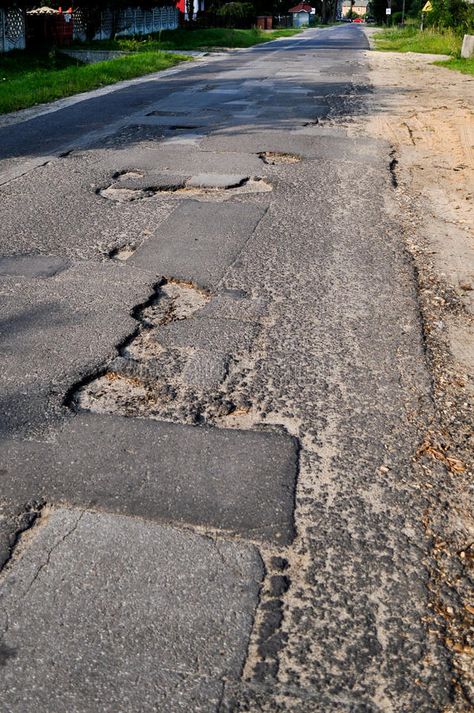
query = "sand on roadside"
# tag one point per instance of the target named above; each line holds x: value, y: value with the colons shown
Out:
x: 426, y: 114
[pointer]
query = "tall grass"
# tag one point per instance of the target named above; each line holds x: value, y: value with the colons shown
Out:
x: 412, y: 39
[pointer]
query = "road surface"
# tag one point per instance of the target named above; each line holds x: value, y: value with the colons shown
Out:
x: 213, y: 385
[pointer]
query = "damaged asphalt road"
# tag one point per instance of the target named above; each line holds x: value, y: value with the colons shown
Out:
x: 213, y: 385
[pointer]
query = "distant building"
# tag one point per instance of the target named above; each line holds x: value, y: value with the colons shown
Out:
x: 359, y: 7
x: 301, y: 14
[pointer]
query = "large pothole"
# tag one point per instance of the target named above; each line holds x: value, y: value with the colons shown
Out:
x: 131, y: 186
x: 181, y: 365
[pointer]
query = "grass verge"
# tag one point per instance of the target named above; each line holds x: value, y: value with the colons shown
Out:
x: 190, y: 40
x: 411, y: 39
x: 26, y: 80
x: 466, y: 66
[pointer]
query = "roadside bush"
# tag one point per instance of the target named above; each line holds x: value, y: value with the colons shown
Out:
x: 236, y: 13
x: 455, y: 14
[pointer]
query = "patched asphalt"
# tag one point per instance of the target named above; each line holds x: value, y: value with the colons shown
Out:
x: 273, y: 556
x: 193, y: 245
x: 239, y: 481
x: 100, y: 609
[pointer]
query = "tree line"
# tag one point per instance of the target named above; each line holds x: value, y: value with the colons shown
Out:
x: 457, y: 14
x: 326, y: 9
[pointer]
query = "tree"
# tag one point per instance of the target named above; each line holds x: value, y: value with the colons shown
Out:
x: 237, y: 14
x: 376, y: 9
x: 455, y: 14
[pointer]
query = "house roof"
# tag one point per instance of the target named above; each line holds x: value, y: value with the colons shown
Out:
x: 43, y: 11
x: 301, y: 7
x: 357, y: 3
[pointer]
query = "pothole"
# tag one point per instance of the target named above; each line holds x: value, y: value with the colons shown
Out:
x: 129, y: 187
x: 184, y: 127
x: 157, y: 375
x: 123, y: 252
x: 393, y: 168
x: 144, y: 379
x: 125, y: 175
x: 167, y: 113
x: 247, y: 185
x: 123, y: 195
x: 275, y: 158
x: 175, y: 300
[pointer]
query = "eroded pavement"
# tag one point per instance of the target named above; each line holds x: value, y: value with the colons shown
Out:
x: 213, y: 387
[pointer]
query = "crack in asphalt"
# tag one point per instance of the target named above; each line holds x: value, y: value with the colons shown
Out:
x: 56, y: 545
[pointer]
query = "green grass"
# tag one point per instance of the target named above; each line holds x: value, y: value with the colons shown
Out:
x: 26, y: 79
x: 190, y: 40
x: 466, y: 66
x: 17, y: 63
x: 411, y: 39
x: 430, y: 41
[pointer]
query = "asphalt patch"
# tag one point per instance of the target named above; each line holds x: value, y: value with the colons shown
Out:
x: 32, y: 265
x: 241, y: 482
x: 199, y: 241
x: 157, y: 622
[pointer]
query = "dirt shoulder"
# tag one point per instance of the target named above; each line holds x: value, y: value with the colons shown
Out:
x: 426, y: 114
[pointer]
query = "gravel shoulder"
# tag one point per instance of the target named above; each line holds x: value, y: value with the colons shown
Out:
x: 426, y: 113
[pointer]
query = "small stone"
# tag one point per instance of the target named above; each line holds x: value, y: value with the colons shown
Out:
x: 279, y: 563
x: 271, y: 622
x: 279, y: 584
x: 272, y: 605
